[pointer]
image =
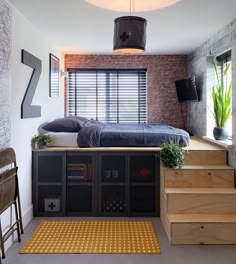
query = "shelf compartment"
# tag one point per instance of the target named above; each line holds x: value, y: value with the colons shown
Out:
x: 79, y: 168
x: 50, y: 168
x: 143, y: 199
x: 142, y: 168
x: 79, y: 198
x: 50, y: 199
x: 113, y: 199
x: 113, y: 169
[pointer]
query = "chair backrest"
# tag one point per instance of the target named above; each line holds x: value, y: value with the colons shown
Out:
x: 8, y: 178
x: 7, y: 157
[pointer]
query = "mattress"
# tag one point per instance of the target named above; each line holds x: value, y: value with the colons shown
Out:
x: 63, y: 139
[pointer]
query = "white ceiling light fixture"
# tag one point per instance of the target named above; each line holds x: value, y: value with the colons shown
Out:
x: 129, y: 34
x: 140, y: 5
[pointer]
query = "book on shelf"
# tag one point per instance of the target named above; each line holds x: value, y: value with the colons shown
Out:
x: 77, y: 170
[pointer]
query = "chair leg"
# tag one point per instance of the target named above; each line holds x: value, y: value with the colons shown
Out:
x: 1, y: 241
x: 19, y: 208
x: 17, y: 222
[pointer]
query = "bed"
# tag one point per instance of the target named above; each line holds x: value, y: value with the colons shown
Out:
x: 91, y: 133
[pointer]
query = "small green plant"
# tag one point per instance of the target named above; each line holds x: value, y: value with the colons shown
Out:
x: 172, y: 155
x: 42, y: 140
x: 222, y: 97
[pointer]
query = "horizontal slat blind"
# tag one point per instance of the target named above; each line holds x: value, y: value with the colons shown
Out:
x: 222, y: 62
x: 114, y: 96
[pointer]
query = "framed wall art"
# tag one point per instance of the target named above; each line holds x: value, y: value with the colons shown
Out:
x: 54, y: 68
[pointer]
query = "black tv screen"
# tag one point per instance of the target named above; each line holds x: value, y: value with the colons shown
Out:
x: 186, y: 90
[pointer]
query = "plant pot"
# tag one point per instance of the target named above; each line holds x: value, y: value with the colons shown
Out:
x: 220, y: 133
x: 40, y: 146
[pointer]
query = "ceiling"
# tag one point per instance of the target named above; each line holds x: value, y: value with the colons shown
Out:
x: 79, y: 27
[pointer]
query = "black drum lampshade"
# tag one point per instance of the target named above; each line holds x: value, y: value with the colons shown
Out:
x: 129, y: 35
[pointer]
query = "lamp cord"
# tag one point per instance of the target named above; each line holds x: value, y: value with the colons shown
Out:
x: 130, y: 6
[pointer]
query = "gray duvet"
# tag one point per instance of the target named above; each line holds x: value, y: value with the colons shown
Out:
x: 97, y: 134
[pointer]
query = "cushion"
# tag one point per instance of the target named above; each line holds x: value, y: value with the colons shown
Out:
x: 63, y: 125
x: 80, y: 119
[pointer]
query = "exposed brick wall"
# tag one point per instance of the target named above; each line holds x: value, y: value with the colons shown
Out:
x: 162, y: 71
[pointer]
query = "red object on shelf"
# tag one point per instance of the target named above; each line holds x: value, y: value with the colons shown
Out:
x: 145, y: 172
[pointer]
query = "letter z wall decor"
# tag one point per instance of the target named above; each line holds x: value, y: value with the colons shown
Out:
x: 27, y: 109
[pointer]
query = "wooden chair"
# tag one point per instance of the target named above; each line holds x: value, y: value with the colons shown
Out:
x: 9, y: 194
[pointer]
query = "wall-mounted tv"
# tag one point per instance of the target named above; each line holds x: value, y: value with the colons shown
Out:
x: 186, y: 90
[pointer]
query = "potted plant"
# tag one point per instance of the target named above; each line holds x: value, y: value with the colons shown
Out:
x: 42, y: 140
x: 222, y: 98
x: 172, y: 155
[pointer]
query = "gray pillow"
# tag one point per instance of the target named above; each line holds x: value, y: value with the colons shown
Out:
x: 80, y: 119
x: 63, y: 125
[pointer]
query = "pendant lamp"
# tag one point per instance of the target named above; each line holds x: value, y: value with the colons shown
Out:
x: 129, y: 35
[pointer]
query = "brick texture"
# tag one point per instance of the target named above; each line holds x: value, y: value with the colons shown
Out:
x: 162, y: 71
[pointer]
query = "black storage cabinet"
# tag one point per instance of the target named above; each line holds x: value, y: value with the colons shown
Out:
x: 96, y: 183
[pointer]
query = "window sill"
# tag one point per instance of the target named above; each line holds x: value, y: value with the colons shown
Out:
x: 223, y: 143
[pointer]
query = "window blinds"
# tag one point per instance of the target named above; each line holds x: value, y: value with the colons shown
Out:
x: 223, y: 61
x: 113, y: 96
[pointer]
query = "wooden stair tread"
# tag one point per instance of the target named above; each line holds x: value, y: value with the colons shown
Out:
x: 202, y: 167
x: 201, y: 144
x: 200, y: 190
x: 201, y: 218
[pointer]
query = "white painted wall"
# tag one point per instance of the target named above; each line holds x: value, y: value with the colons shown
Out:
x: 26, y: 36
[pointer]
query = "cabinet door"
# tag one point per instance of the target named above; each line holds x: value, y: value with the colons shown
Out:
x: 113, y: 184
x: 80, y: 183
x: 49, y: 183
x: 144, y: 191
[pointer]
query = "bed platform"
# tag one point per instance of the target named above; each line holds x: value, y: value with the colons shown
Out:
x: 102, y: 181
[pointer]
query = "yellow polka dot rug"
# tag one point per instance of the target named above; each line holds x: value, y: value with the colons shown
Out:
x: 93, y: 237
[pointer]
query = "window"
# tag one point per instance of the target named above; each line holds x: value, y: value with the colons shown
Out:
x: 222, y: 62
x: 113, y: 96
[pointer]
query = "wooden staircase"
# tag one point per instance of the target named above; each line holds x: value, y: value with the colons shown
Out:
x: 198, y: 201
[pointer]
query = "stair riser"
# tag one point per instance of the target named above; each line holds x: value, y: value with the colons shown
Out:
x: 201, y: 203
x: 199, y: 178
x: 206, y: 157
x: 203, y: 233
x: 163, y: 215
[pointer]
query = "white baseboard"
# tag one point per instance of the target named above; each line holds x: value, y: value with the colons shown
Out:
x: 27, y: 215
